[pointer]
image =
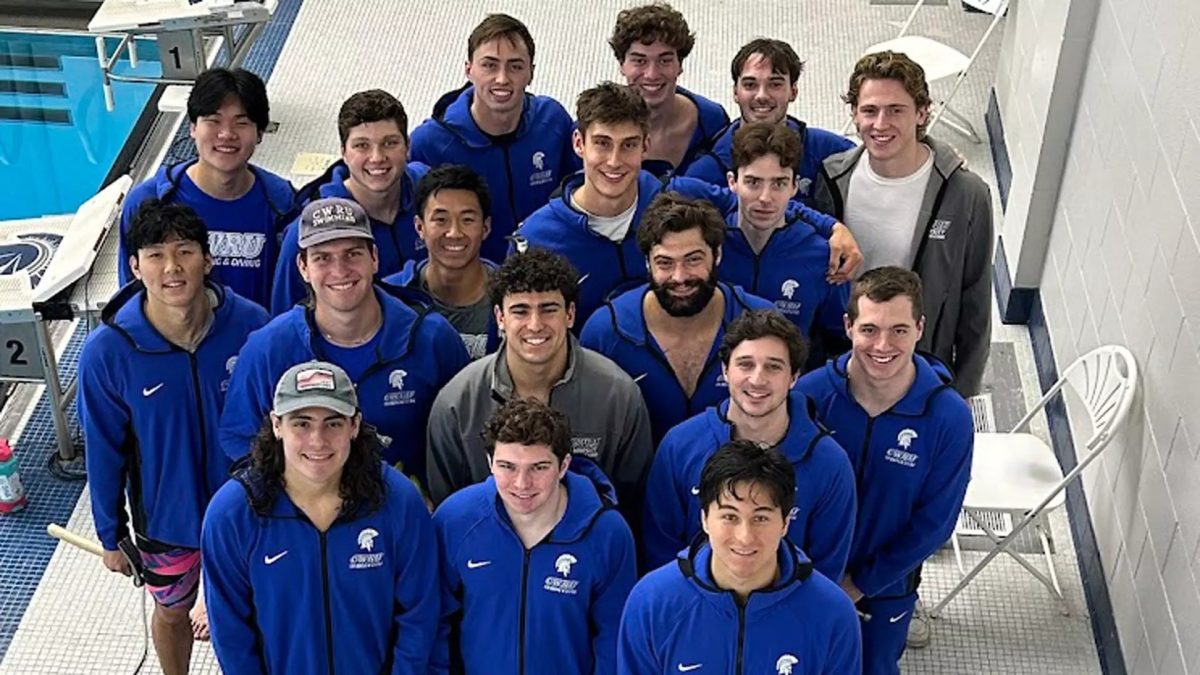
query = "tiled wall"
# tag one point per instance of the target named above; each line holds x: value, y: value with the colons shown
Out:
x: 1123, y: 266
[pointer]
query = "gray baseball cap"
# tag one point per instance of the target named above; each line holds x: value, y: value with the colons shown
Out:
x: 315, y: 384
x: 333, y: 218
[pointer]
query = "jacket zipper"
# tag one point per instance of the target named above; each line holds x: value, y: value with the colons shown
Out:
x: 759, y: 255
x: 325, y: 594
x: 862, y: 466
x: 200, y: 415
x: 741, y: 634
x: 512, y: 199
x: 521, y: 621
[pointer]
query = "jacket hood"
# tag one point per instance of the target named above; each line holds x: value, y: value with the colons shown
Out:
x: 501, y: 377
x: 403, y: 312
x: 696, y: 565
x: 409, y: 276
x: 945, y: 160
x: 933, y: 378
x: 649, y: 185
x: 630, y: 322
x: 332, y: 183
x: 125, y: 313
x: 803, y: 431
x: 584, y: 505
x: 280, y: 195
x: 453, y: 113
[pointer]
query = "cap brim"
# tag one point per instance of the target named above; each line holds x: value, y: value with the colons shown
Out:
x: 329, y: 235
x: 316, y: 401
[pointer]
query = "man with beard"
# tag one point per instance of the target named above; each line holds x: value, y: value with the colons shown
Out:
x: 761, y: 357
x: 665, y: 334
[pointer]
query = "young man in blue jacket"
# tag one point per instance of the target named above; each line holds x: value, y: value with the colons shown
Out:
x: 595, y: 219
x: 910, y: 437
x: 536, y: 563
x: 742, y: 599
x: 651, y: 42
x: 398, y: 355
x: 765, y: 72
x: 519, y: 142
x: 152, y: 381
x: 666, y: 334
x: 761, y: 355
x: 318, y: 558
x: 375, y: 172
x: 452, y: 207
x: 245, y: 207
x: 770, y: 250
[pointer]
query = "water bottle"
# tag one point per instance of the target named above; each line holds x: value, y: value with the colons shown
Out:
x: 12, y: 495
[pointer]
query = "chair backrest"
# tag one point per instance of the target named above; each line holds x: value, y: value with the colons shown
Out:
x: 1105, y: 380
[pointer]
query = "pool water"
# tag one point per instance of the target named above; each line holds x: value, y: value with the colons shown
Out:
x: 57, y: 140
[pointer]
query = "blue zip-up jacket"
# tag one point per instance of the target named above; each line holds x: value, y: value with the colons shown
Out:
x: 418, y: 352
x: 150, y: 410
x: 618, y: 331
x: 716, y: 159
x: 409, y: 277
x: 912, y: 465
x: 243, y: 234
x: 553, y: 608
x: 677, y: 620
x: 397, y: 241
x: 284, y: 597
x: 790, y: 272
x: 521, y: 175
x: 710, y: 119
x: 822, y: 523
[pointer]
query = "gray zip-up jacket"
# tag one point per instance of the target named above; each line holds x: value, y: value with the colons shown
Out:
x: 953, y: 242
x: 609, y: 423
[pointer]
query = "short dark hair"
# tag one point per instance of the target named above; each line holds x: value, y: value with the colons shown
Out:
x: 157, y: 222
x: 372, y: 105
x: 611, y: 103
x: 453, y: 177
x: 499, y: 26
x: 672, y: 212
x: 884, y: 283
x: 748, y: 462
x: 215, y: 86
x: 779, y: 54
x: 760, y: 323
x: 648, y: 24
x: 888, y: 65
x: 528, y: 421
x: 534, y: 271
x: 759, y: 139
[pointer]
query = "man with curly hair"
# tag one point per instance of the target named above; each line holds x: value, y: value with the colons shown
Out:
x: 651, y: 43
x: 533, y: 298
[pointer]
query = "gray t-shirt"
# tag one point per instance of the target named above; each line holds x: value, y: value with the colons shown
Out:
x: 471, y: 321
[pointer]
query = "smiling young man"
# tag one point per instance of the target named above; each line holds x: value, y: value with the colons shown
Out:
x: 651, y: 42
x: 742, y: 599
x: 595, y: 221
x: 775, y: 254
x: 519, y: 142
x: 910, y: 202
x: 375, y: 172
x: 909, y: 436
x: 765, y: 72
x: 761, y: 355
x: 397, y: 351
x: 537, y: 527
x: 245, y: 207
x: 452, y: 220
x: 533, y: 295
x: 666, y: 333
x: 152, y: 380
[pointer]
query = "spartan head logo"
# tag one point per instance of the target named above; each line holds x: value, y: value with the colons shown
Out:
x: 784, y: 665
x: 563, y: 564
x: 396, y: 379
x: 905, y: 438
x: 366, y: 538
x: 539, y: 160
x: 230, y: 363
x: 789, y: 288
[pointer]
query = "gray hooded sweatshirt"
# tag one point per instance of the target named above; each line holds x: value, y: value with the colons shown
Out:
x: 952, y: 239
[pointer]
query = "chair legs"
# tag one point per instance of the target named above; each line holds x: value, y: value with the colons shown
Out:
x: 1001, y: 545
x: 956, y: 121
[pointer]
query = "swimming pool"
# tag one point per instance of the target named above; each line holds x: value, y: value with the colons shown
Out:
x: 58, y: 143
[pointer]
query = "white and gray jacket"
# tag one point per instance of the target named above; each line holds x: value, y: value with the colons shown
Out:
x: 953, y: 239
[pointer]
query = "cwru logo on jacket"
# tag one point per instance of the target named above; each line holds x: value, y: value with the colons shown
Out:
x: 561, y: 584
x: 401, y: 396
x: 369, y: 559
x: 901, y: 455
x: 785, y: 664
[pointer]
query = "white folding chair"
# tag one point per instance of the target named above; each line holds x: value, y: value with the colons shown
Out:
x: 940, y: 61
x: 1018, y: 474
